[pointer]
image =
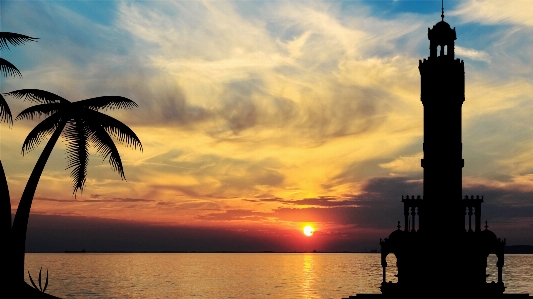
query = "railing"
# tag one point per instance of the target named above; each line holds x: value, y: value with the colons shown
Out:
x: 472, y: 206
x: 413, y: 205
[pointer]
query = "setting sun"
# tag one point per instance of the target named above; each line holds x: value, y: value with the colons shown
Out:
x: 308, y: 231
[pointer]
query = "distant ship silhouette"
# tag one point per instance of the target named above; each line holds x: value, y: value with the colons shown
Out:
x: 440, y: 257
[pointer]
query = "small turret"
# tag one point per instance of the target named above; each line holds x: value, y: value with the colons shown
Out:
x: 443, y: 36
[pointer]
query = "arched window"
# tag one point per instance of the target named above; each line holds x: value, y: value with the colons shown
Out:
x: 467, y: 222
x: 392, y: 268
x: 492, y: 268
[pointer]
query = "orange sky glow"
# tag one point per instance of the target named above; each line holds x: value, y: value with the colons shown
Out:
x: 260, y: 118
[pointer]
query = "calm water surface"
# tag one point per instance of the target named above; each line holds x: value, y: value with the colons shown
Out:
x: 231, y: 275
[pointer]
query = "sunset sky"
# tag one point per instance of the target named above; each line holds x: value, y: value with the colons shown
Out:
x: 260, y: 117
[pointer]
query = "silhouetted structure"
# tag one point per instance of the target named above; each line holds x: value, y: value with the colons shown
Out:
x: 444, y: 252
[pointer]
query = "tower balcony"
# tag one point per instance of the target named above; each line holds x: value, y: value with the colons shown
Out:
x: 412, y: 206
x: 472, y: 206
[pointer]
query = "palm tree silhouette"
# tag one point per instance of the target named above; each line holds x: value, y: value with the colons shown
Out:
x: 8, y: 69
x: 81, y: 123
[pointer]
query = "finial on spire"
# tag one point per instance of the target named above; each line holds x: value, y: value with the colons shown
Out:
x: 442, y: 15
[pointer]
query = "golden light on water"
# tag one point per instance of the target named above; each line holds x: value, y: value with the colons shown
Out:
x: 309, y: 230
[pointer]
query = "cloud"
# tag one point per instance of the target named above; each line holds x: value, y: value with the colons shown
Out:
x: 202, y: 175
x: 105, y: 200
x: 301, y: 108
x: 504, y: 206
x: 52, y: 233
x: 499, y: 33
x: 324, y: 201
x: 515, y: 12
x: 130, y: 200
x: 286, y: 84
x: 236, y: 215
x: 472, y: 54
x: 404, y: 164
x: 199, y: 205
x: 253, y: 80
x: 346, y: 216
x: 379, y: 196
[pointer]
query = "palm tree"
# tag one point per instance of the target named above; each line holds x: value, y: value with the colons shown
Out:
x: 8, y: 69
x: 81, y: 124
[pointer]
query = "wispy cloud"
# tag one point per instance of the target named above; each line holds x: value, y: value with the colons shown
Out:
x: 516, y: 12
x: 404, y: 164
x: 324, y: 201
x: 472, y: 54
x: 111, y: 200
x: 290, y: 105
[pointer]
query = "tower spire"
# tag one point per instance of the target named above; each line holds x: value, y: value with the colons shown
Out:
x: 442, y: 15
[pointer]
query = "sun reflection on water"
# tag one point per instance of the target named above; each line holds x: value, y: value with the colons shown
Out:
x: 228, y: 275
x: 309, y: 276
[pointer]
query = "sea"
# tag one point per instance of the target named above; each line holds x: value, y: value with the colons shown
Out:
x: 232, y: 275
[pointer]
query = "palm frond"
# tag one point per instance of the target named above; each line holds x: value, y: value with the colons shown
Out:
x: 118, y: 130
x: 106, y: 148
x: 37, y: 96
x: 9, y: 69
x: 5, y: 112
x: 107, y: 102
x: 32, y: 282
x: 38, y: 110
x: 76, y: 135
x: 39, y: 133
x: 46, y: 282
x: 15, y: 39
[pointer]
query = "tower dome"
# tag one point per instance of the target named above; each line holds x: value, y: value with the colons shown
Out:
x: 443, y: 36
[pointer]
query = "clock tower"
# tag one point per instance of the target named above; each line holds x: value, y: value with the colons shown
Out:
x: 442, y: 250
x: 442, y: 94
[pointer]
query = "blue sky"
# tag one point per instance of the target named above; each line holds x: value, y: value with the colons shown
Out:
x: 273, y: 114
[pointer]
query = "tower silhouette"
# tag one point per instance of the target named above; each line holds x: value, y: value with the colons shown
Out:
x: 442, y: 94
x: 443, y: 252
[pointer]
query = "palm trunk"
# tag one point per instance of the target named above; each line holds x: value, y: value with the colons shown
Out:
x: 20, y: 223
x: 5, y: 227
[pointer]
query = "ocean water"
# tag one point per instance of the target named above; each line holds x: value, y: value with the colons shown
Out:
x: 231, y: 275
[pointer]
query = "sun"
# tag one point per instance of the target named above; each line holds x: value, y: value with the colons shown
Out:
x: 309, y: 230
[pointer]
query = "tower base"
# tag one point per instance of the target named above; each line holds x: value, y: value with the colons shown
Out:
x: 436, y: 295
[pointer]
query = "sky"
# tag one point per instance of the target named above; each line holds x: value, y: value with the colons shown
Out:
x: 260, y: 117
